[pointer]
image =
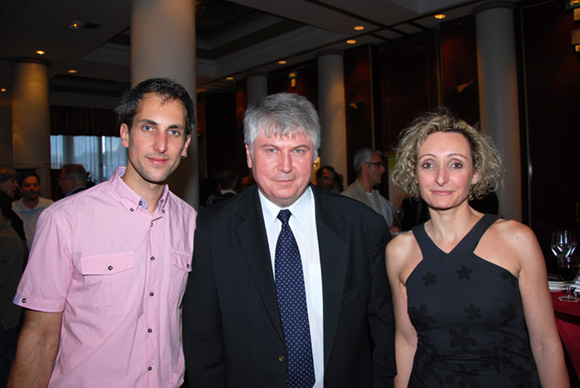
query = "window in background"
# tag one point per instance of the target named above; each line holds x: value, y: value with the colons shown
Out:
x: 100, y: 155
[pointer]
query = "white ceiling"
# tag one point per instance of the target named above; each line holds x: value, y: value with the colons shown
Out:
x: 101, y: 55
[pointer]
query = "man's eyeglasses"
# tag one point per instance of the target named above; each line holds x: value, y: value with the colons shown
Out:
x: 378, y: 164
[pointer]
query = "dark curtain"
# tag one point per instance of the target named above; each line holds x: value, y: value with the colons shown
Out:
x: 75, y: 121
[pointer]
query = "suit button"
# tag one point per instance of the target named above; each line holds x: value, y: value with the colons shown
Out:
x: 280, y: 358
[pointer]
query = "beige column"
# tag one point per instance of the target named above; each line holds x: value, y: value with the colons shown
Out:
x: 31, y: 118
x: 257, y: 85
x: 332, y: 110
x: 163, y: 45
x: 498, y: 96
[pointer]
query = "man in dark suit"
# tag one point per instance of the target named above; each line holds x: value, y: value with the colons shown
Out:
x: 243, y: 325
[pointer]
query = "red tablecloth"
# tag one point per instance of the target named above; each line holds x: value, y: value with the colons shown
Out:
x: 568, y: 323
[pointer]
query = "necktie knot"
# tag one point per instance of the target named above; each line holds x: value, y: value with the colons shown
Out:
x: 284, y: 216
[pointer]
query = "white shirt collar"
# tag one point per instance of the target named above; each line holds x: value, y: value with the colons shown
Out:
x: 300, y: 209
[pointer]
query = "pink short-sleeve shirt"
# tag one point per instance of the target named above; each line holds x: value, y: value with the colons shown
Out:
x: 118, y: 274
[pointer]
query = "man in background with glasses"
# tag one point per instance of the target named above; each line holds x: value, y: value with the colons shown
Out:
x: 369, y: 166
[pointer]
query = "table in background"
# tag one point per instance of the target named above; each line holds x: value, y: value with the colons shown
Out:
x: 568, y: 323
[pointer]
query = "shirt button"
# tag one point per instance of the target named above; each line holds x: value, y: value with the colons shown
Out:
x: 23, y: 300
x: 187, y: 265
x: 151, y: 293
x: 110, y: 268
x: 140, y: 203
x: 152, y: 224
x: 131, y: 209
x: 152, y: 258
x: 149, y: 368
x: 280, y: 358
x: 149, y: 330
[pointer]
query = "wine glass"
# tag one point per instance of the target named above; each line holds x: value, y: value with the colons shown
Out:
x: 563, y: 242
x: 568, y: 267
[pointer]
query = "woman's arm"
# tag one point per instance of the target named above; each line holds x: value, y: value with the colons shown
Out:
x: 539, y: 312
x: 405, y: 333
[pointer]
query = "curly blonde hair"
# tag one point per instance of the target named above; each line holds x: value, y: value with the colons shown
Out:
x: 486, y: 160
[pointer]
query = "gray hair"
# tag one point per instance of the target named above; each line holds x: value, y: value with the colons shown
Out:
x: 281, y: 115
x: 364, y: 155
x: 76, y: 171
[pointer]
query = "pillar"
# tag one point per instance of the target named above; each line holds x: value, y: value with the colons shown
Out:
x: 31, y: 118
x: 257, y: 84
x: 332, y: 110
x: 163, y: 45
x: 498, y: 96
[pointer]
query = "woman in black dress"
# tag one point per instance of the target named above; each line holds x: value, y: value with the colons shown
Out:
x: 470, y: 291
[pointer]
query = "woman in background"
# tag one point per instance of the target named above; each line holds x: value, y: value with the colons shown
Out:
x: 470, y: 290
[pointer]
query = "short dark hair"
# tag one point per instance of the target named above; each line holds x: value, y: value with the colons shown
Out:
x: 5, y: 204
x: 28, y: 174
x: 226, y: 179
x: 76, y: 171
x: 163, y: 87
x: 321, y: 170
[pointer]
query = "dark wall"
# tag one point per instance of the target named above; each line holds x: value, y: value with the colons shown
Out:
x: 306, y: 81
x: 409, y: 77
x: 218, y: 134
x: 551, y: 106
x: 362, y: 91
x: 459, y: 68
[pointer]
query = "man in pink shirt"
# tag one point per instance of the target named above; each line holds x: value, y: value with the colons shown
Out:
x: 108, y: 269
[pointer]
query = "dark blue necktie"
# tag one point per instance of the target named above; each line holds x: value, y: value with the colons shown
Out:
x: 293, y: 310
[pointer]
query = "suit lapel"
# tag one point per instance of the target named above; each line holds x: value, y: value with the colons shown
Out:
x: 333, y: 259
x: 252, y: 237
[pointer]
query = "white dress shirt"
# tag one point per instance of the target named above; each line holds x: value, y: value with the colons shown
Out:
x: 303, y: 225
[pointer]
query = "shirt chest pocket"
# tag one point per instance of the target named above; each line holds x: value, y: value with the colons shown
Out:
x: 110, y: 283
x: 180, y: 269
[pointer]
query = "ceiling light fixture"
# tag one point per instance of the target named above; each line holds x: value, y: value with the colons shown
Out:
x: 440, y: 16
x: 40, y: 52
x: 359, y: 28
x: 72, y: 71
x: 3, y: 90
x: 351, y: 41
x: 75, y: 25
x: 230, y: 78
x: 282, y: 62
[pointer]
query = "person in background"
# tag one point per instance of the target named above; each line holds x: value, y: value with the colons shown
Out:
x: 247, y: 181
x: 226, y: 188
x: 288, y: 287
x: 471, y: 296
x: 72, y: 179
x: 12, y: 253
x: 108, y: 267
x: 326, y: 178
x: 9, y: 186
x: 369, y: 166
x: 31, y: 204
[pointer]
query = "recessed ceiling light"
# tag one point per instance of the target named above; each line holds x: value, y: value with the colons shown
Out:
x: 359, y: 28
x: 230, y: 78
x: 282, y: 62
x: 3, y: 90
x: 40, y: 52
x: 351, y: 41
x: 72, y: 71
x: 440, y: 16
x: 75, y: 25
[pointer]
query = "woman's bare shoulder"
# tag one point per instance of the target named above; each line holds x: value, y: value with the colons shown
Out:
x: 402, y: 247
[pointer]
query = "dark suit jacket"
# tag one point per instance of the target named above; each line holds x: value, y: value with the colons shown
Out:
x: 232, y: 330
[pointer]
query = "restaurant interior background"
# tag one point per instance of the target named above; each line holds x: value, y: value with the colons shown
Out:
x: 391, y: 76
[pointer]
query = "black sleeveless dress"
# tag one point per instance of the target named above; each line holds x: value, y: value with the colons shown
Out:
x: 469, y: 318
